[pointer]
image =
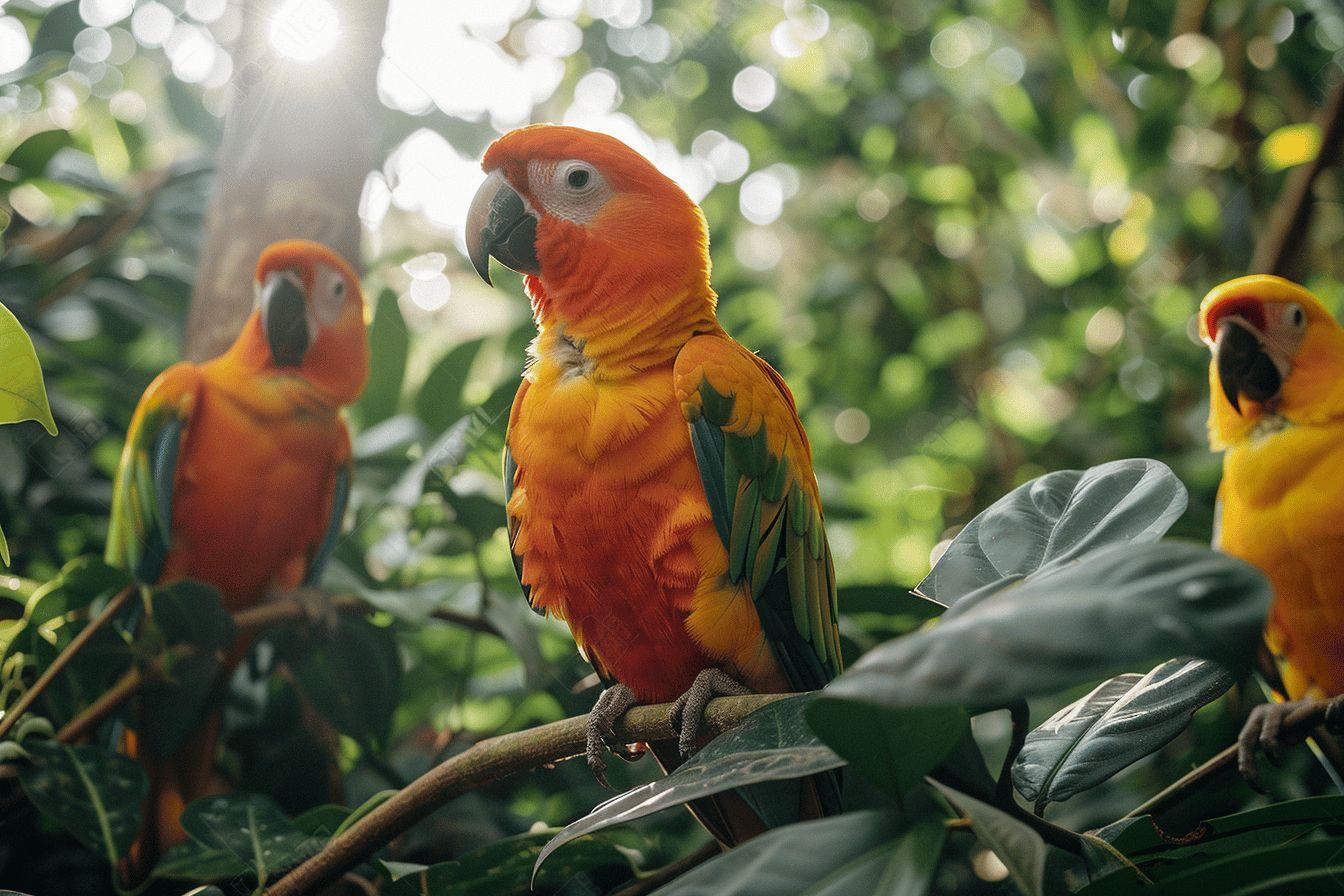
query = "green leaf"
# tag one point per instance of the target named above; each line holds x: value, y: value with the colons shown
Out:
x: 867, y: 852
x: 354, y: 679
x: 439, y: 401
x: 251, y: 828
x: 892, y: 748
x: 1127, y: 605
x: 32, y: 155
x: 93, y: 794
x: 389, y: 342
x: 504, y: 868
x: 81, y: 582
x: 1265, y: 827
x: 175, y: 705
x: 22, y: 393
x: 772, y: 744
x: 1021, y: 849
x: 57, y: 32
x: 1294, y: 869
x: 199, y: 864
x: 191, y: 612
x: 1120, y: 722
x: 1057, y: 518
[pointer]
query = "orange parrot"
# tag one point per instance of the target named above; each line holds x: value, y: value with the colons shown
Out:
x: 661, y: 498
x: 236, y: 472
x: 1277, y: 412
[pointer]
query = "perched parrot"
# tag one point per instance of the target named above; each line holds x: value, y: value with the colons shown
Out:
x: 236, y: 472
x: 1277, y: 412
x: 661, y: 499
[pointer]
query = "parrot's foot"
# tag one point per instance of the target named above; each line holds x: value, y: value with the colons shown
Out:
x: 601, y: 734
x: 318, y: 610
x: 689, y: 710
x: 1272, y: 727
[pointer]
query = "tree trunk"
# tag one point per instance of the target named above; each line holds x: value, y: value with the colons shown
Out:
x: 299, y: 141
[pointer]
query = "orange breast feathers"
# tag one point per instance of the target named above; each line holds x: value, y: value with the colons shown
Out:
x: 615, y: 535
x: 1288, y: 520
x: 254, y: 491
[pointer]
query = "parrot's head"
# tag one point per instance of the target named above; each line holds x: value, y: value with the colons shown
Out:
x: 1278, y: 357
x: 595, y: 227
x: 309, y: 320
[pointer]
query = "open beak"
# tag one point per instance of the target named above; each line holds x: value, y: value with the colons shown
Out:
x: 1245, y: 366
x: 284, y: 320
x: 499, y: 223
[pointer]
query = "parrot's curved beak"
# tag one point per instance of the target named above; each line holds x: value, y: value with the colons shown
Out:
x: 1245, y: 366
x: 284, y: 320
x: 501, y: 224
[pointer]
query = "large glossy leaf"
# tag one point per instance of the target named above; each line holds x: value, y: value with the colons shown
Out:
x: 868, y: 852
x: 1057, y: 518
x: 504, y: 868
x: 1021, y: 849
x: 190, y: 612
x: 773, y: 743
x: 439, y: 401
x: 892, y: 748
x: 1293, y: 869
x: 1120, y: 722
x: 249, y: 827
x: 93, y: 794
x: 1127, y: 605
x: 81, y: 582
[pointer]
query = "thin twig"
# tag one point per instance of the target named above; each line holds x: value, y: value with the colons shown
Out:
x: 1191, y: 781
x: 248, y: 621
x: 486, y: 763
x: 1292, y: 215
x: 63, y: 659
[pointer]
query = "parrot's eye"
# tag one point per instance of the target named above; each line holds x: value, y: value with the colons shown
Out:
x: 1297, y: 316
x: 329, y: 294
x: 578, y: 178
x: 571, y: 189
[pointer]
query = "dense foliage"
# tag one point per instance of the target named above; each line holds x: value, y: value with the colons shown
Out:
x: 971, y: 235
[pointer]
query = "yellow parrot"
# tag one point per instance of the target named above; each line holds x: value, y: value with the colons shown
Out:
x: 1277, y: 412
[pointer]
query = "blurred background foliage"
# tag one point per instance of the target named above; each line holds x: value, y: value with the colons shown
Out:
x: 971, y: 234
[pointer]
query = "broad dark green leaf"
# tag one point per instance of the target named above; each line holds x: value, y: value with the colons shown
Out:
x: 57, y: 32
x: 191, y: 612
x: 1265, y: 827
x: 1021, y: 849
x: 354, y: 678
x: 869, y: 852
x: 774, y: 743
x: 1127, y: 605
x: 504, y: 868
x: 93, y: 794
x: 389, y: 342
x: 32, y: 155
x: 175, y: 705
x: 196, y: 863
x: 1057, y: 518
x: 446, y: 454
x: 1120, y: 722
x: 249, y: 827
x: 1311, y: 868
x: 893, y: 748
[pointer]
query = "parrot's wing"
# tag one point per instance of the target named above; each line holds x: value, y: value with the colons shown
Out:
x: 756, y: 467
x: 140, y: 531
x: 510, y: 479
x: 340, y: 496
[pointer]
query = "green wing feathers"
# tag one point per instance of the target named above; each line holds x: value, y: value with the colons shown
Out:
x: 764, y: 504
x: 139, y: 533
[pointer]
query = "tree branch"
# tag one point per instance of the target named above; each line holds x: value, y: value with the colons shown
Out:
x: 1292, y: 215
x: 486, y: 763
x: 24, y: 703
x: 251, y: 621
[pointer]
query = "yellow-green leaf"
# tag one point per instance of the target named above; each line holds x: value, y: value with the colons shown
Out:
x: 22, y: 394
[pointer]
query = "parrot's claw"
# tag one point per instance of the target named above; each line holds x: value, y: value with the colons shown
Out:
x: 601, y: 730
x: 1273, y: 727
x: 689, y: 710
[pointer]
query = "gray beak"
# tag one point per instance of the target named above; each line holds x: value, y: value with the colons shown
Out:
x: 499, y: 223
x: 1244, y: 367
x: 284, y: 320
